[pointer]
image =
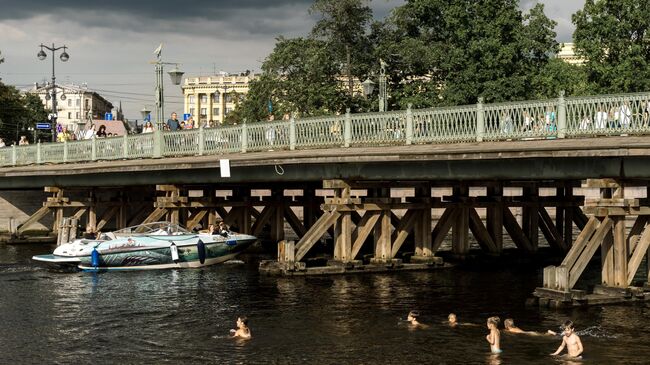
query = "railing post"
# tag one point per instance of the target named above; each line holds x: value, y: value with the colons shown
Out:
x: 480, y: 121
x: 201, y: 140
x: 244, y: 137
x: 13, y: 154
x: 65, y: 151
x: 292, y: 133
x: 38, y: 153
x: 93, y: 149
x: 561, y: 115
x: 347, y: 129
x: 125, y: 146
x: 157, y: 143
x: 409, y: 124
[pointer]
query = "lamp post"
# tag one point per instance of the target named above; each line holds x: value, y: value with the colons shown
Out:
x: 64, y: 58
x: 382, y: 85
x: 175, y: 76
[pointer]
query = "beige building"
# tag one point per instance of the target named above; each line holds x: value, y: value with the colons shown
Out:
x: 73, y: 104
x: 213, y: 97
x: 567, y: 54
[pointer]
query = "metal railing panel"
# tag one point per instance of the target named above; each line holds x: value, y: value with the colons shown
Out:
x: 268, y: 135
x: 140, y: 146
x: 6, y: 156
x: 111, y: 148
x: 608, y: 115
x: 521, y: 120
x: 52, y: 152
x: 181, y: 143
x: 445, y: 125
x: 320, y: 131
x: 372, y: 129
x: 222, y: 140
x: 79, y: 151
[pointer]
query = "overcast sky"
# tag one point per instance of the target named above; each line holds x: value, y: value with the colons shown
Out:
x: 111, y: 42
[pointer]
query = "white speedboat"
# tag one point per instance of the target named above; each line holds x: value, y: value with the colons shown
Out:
x: 159, y: 245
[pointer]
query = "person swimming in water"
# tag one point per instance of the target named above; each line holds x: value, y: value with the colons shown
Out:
x: 494, y: 337
x: 571, y: 341
x: 510, y: 327
x: 242, y: 330
x: 452, y: 321
x: 412, y: 318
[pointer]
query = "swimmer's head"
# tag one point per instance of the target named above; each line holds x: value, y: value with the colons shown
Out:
x: 567, y: 327
x: 509, y: 323
x: 413, y: 316
x: 493, y: 321
x: 242, y: 321
x: 452, y: 318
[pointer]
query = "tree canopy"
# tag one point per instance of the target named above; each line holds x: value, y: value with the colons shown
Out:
x: 18, y: 112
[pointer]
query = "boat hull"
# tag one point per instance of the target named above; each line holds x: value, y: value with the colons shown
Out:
x: 151, y: 258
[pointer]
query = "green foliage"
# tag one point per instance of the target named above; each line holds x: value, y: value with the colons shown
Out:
x: 558, y: 75
x: 18, y: 112
x: 614, y: 36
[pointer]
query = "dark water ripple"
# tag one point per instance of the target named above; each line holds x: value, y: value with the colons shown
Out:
x: 184, y: 316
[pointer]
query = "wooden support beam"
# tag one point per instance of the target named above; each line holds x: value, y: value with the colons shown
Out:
x: 154, y: 216
x: 640, y: 250
x: 194, y: 220
x: 137, y: 217
x: 494, y: 216
x: 294, y: 221
x: 460, y: 231
x: 316, y: 232
x: 568, y: 218
x: 516, y: 233
x: 265, y: 216
x: 481, y: 233
x: 108, y: 215
x: 37, y: 216
x: 382, y: 238
x: 343, y: 238
x: 607, y: 259
x: 620, y: 253
x: 580, y: 243
x: 362, y: 231
x: 423, y: 242
x: 530, y: 217
x: 559, y: 214
x: 223, y: 213
x: 635, y: 232
x: 590, y: 249
x: 553, y: 237
x: 442, y: 227
x: 579, y: 218
x: 79, y: 213
x: 403, y: 229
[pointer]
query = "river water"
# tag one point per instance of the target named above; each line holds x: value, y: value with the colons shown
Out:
x: 184, y: 316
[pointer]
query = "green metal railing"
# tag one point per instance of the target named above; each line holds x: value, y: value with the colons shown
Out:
x: 574, y: 117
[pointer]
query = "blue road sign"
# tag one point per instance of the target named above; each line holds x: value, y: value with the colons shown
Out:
x: 43, y: 126
x: 108, y: 116
x: 186, y: 116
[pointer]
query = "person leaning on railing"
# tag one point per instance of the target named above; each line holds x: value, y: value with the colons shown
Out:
x: 64, y: 135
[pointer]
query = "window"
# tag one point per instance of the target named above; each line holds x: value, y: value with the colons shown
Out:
x: 228, y: 98
x: 215, y: 98
x: 69, y: 102
x: 228, y: 110
x: 78, y: 102
x: 215, y: 111
x: 191, y: 99
x: 69, y: 115
x: 77, y: 113
x: 87, y: 103
x: 191, y: 111
x: 204, y: 98
x: 204, y: 112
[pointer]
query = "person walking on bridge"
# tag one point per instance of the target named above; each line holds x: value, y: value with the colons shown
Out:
x: 172, y: 123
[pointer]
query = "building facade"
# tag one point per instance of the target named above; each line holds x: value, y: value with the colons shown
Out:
x: 76, y: 105
x: 211, y: 98
x: 567, y: 54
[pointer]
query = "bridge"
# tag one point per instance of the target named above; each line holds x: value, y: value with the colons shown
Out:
x: 386, y: 188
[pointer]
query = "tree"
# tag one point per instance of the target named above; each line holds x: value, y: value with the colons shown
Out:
x: 343, y: 26
x: 18, y: 112
x: 456, y: 51
x: 298, y: 76
x: 614, y: 37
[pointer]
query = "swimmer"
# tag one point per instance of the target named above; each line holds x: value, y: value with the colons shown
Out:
x: 242, y: 330
x: 510, y: 327
x: 452, y: 321
x: 571, y: 341
x: 494, y: 337
x: 412, y: 318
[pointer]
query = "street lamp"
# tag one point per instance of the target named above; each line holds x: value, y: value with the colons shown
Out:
x: 64, y: 57
x: 175, y: 76
x: 145, y: 112
x: 382, y: 85
x: 368, y: 87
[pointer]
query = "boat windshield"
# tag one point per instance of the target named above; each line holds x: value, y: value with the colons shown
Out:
x: 161, y: 228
